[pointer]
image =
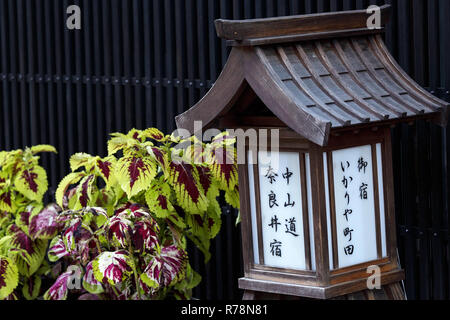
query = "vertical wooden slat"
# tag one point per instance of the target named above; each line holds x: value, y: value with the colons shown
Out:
x: 128, y: 105
x: 258, y: 213
x: 116, y: 38
x: 148, y: 65
x: 180, y: 54
x: 306, y: 222
x: 422, y: 154
x: 376, y: 199
x: 191, y: 51
x: 30, y: 70
x: 23, y: 90
x: 169, y: 63
x: 79, y: 101
x: 436, y: 211
x: 139, y: 106
x: 419, y: 10
x: 404, y: 38
x: 334, y: 230
x: 107, y: 66
x: 408, y: 213
x: 71, y: 139
x: 45, y: 102
x: 6, y: 131
x: 100, y: 111
x: 57, y: 47
x: 91, y: 130
x: 53, y: 110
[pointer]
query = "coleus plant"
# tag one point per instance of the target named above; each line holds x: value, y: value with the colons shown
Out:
x: 128, y: 216
x: 23, y: 240
x: 127, y: 255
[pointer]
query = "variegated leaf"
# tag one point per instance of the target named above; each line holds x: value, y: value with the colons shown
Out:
x: 57, y: 250
x: 70, y: 179
x: 89, y: 296
x: 105, y: 169
x: 23, y: 219
x: 26, y: 253
x: 119, y: 231
x: 188, y: 190
x: 32, y: 182
x: 6, y: 200
x: 135, y: 174
x: 90, y: 283
x: 132, y: 210
x: 160, y: 156
x: 154, y: 134
x: 81, y: 159
x: 75, y: 236
x: 158, y: 198
x: 113, y: 267
x: 45, y: 224
x: 65, y: 282
x: 86, y: 193
x: 222, y: 162
x: 152, y: 274
x: 166, y: 269
x: 32, y: 287
x: 9, y: 277
x: 145, y: 235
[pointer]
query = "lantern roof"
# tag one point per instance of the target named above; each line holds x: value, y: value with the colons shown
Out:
x: 316, y: 73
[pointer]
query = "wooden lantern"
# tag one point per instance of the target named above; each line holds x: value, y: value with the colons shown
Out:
x: 312, y: 227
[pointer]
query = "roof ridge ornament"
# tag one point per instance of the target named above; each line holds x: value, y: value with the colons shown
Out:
x: 284, y: 29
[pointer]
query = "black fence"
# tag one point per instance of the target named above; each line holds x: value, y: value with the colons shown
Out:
x: 138, y: 63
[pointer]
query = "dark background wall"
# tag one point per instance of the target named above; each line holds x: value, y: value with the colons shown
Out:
x: 138, y: 63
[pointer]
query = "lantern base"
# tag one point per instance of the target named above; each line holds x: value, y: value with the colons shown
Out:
x: 393, y: 291
x: 390, y: 284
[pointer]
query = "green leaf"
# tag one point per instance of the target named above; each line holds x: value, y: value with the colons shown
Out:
x: 9, y: 277
x: 232, y: 197
x: 81, y: 159
x: 43, y: 148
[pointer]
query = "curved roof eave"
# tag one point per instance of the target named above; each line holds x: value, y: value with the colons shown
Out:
x: 245, y: 65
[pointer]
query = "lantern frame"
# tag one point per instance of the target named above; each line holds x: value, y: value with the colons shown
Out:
x: 325, y: 282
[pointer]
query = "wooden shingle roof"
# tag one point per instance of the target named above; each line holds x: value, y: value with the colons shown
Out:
x: 315, y: 77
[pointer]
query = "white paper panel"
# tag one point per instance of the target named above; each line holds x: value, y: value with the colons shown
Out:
x: 354, y: 203
x: 381, y: 197
x: 251, y: 182
x: 281, y: 210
